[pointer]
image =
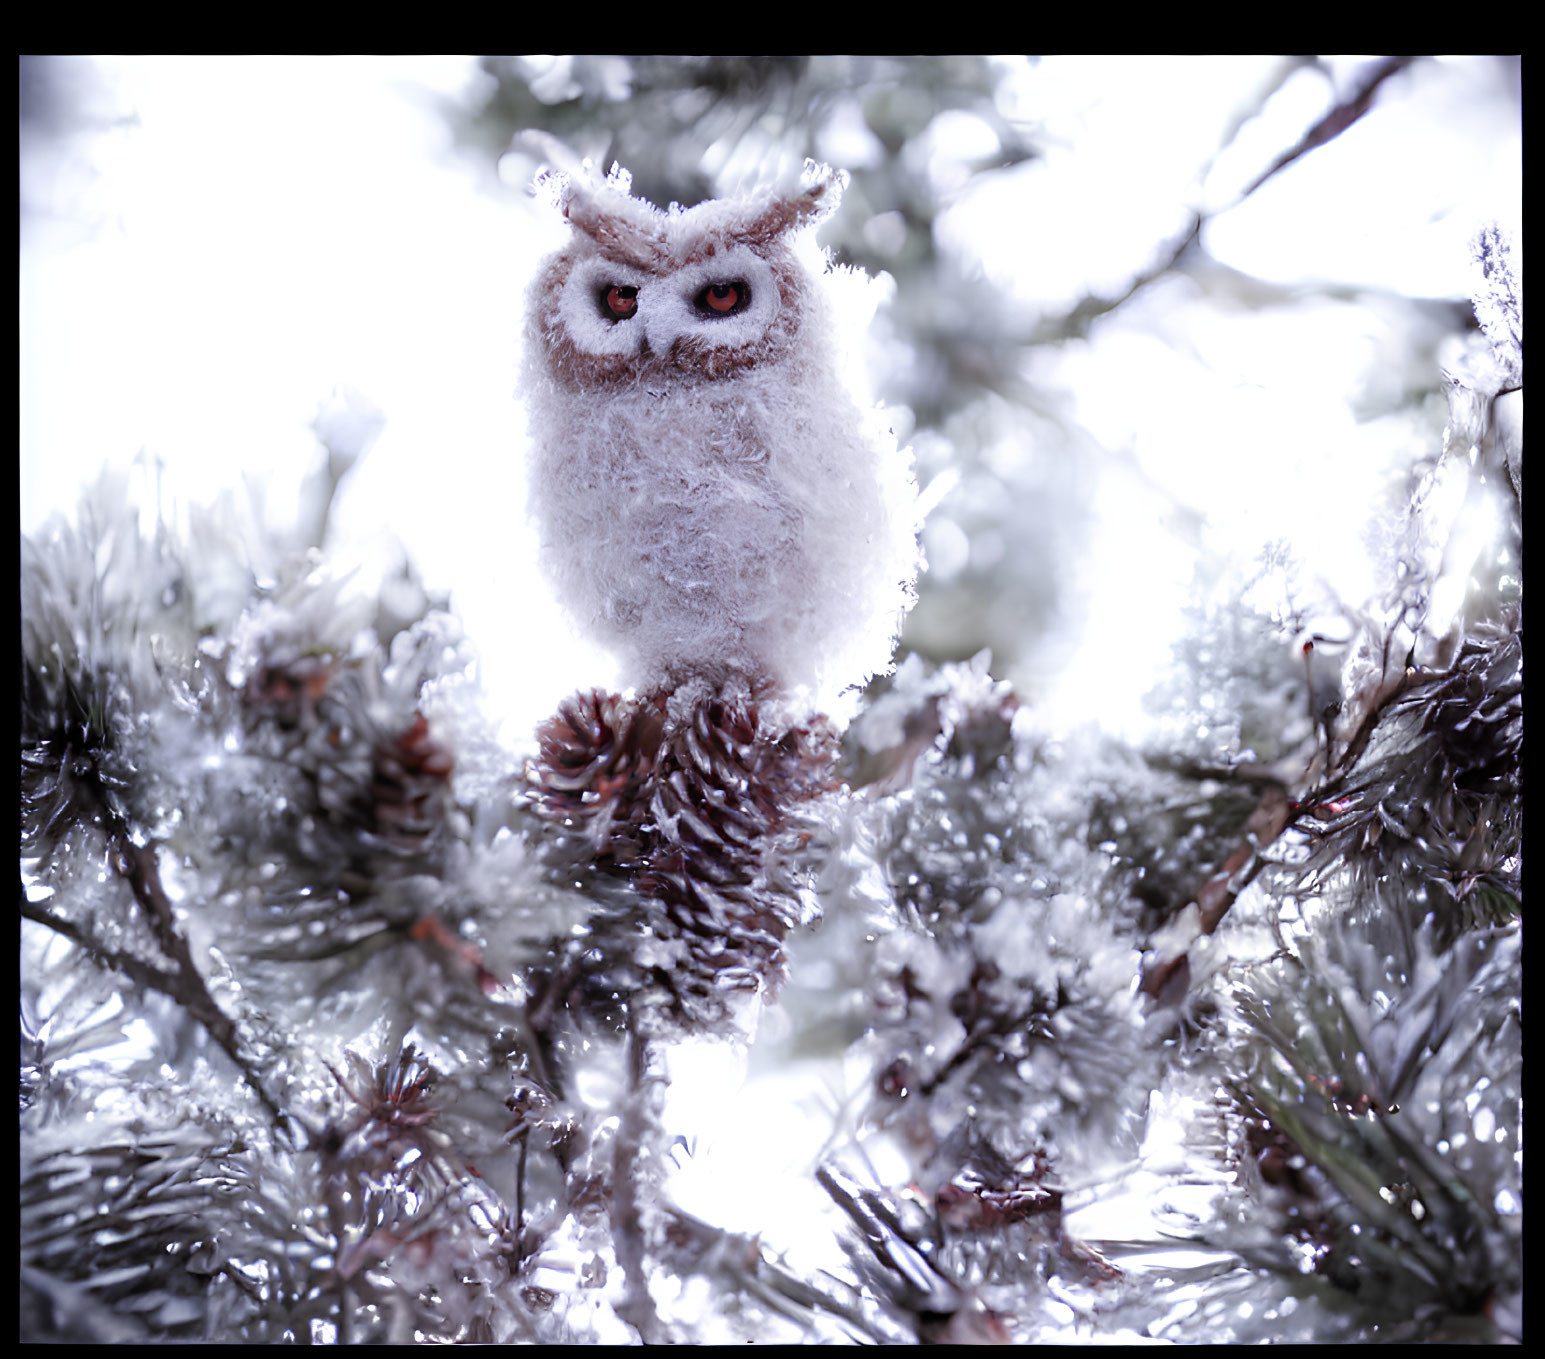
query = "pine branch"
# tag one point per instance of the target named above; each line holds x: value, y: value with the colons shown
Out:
x: 1346, y: 112
x: 184, y: 984
x: 631, y: 1154
x: 1385, y: 1215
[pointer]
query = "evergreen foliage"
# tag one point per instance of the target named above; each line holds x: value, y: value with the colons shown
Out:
x: 342, y: 1022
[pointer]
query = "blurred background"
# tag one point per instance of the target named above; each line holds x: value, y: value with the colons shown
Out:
x: 1163, y: 331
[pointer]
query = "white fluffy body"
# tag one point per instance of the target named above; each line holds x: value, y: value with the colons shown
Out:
x: 713, y: 498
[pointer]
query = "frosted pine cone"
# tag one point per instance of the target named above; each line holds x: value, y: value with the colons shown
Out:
x: 695, y: 803
x: 351, y: 793
x: 383, y: 787
x: 597, y: 755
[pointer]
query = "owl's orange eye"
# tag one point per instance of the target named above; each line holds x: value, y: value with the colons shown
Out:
x: 721, y: 299
x: 618, y: 302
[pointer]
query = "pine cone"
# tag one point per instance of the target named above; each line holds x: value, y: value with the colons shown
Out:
x: 287, y: 687
x: 696, y: 810
x: 385, y: 789
x: 597, y: 756
x: 356, y: 799
x: 409, y: 787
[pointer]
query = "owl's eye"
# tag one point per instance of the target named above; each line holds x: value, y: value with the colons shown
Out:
x: 619, y: 302
x: 724, y: 299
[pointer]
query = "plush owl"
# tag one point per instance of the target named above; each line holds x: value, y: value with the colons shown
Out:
x: 713, y: 501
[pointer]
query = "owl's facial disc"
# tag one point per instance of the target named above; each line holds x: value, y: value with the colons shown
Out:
x: 707, y: 316
x: 724, y: 302
x: 600, y: 308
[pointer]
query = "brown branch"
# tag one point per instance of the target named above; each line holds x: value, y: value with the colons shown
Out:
x: 1166, y: 978
x: 1076, y: 323
x: 189, y: 991
x: 138, y: 866
x: 628, y: 1236
x: 1334, y: 123
x: 980, y: 1035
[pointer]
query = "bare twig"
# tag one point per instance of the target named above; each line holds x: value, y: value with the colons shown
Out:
x: 628, y: 1235
x: 185, y: 985
x: 1334, y: 123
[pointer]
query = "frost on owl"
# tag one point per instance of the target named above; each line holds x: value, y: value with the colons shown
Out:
x: 714, y: 503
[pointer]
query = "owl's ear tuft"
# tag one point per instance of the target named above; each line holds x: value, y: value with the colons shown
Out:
x: 558, y: 161
x: 551, y: 186
x: 776, y: 211
x: 820, y: 190
x: 628, y: 228
x: 619, y: 181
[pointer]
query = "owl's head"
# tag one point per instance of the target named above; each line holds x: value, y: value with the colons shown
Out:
x: 699, y: 293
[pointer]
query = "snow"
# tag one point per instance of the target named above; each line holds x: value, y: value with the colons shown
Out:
x: 277, y: 251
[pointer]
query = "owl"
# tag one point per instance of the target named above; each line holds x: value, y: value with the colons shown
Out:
x: 713, y: 500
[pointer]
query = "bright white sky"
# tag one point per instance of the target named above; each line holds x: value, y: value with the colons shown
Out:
x: 268, y: 228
